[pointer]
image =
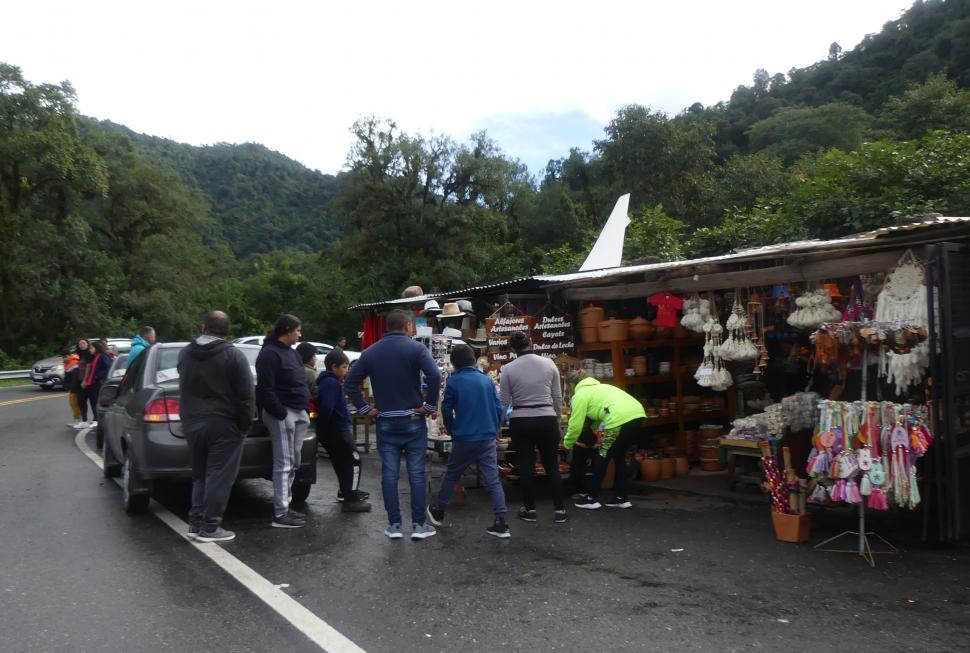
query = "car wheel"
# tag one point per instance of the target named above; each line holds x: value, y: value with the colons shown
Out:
x: 135, y: 499
x: 300, y: 491
x: 110, y: 464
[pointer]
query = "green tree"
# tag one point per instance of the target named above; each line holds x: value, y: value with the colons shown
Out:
x: 937, y: 104
x: 794, y: 131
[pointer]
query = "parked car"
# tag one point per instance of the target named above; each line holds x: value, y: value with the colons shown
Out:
x: 143, y: 438
x: 48, y: 373
x: 322, y: 349
x: 115, y: 374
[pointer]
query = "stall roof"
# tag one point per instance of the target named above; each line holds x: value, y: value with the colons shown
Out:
x: 932, y: 229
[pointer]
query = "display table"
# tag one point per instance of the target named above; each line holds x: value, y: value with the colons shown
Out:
x: 732, y: 448
x: 355, y: 421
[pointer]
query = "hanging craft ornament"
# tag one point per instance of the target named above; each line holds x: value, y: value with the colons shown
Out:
x: 738, y: 346
x: 903, y: 299
x: 696, y: 313
x: 814, y: 308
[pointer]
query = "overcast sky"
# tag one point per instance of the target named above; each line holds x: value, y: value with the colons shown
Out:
x: 541, y: 77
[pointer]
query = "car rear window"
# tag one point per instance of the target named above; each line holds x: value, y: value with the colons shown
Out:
x: 167, y: 368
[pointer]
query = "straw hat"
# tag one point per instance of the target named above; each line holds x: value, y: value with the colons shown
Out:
x: 450, y: 309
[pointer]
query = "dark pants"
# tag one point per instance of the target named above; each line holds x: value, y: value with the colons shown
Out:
x: 529, y: 434
x: 89, y: 397
x: 463, y: 454
x: 582, y: 456
x: 216, y: 448
x: 344, y: 458
x: 629, y: 433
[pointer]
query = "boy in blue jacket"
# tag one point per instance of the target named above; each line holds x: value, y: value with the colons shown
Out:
x: 472, y: 413
x: 334, y: 431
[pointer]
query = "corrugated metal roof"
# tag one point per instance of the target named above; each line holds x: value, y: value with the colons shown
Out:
x: 754, y: 253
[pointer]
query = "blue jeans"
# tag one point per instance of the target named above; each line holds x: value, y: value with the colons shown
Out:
x: 464, y: 454
x: 397, y: 435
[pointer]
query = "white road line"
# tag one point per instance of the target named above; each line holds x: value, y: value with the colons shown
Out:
x: 319, y: 631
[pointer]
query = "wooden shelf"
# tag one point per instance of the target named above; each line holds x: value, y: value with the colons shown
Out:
x: 659, y: 378
x: 649, y: 422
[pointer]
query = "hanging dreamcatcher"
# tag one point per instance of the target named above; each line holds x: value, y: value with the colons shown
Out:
x: 903, y: 299
x: 738, y: 346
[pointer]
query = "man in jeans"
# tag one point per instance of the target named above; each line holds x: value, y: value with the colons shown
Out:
x: 395, y: 364
x: 217, y: 407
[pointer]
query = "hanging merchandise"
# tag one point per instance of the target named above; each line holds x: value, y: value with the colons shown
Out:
x: 696, y: 313
x: 756, y: 317
x: 868, y: 451
x: 903, y: 299
x: 738, y: 346
x: 857, y: 310
x: 814, y: 308
x: 712, y: 373
x: 667, y: 306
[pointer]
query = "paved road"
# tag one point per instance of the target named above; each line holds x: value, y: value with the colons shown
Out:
x: 677, y: 572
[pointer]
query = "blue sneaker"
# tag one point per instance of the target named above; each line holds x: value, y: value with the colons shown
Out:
x: 393, y: 531
x: 422, y: 531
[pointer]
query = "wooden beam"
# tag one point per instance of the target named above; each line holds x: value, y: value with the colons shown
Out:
x: 834, y: 266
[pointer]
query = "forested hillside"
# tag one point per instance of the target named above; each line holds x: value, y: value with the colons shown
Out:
x: 260, y: 199
x: 102, y: 229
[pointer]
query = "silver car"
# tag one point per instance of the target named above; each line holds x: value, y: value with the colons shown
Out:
x: 143, y: 439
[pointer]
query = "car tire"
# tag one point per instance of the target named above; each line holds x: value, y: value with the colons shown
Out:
x: 299, y: 492
x: 110, y: 465
x: 134, y: 498
x: 99, y: 437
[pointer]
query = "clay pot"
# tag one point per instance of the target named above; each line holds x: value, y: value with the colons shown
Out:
x: 681, y: 465
x: 666, y: 468
x: 613, y: 330
x: 591, y: 316
x: 640, y: 329
x: 713, y: 466
x: 650, y: 469
x: 590, y: 334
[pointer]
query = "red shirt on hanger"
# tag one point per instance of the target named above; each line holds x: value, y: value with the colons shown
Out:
x: 667, y: 307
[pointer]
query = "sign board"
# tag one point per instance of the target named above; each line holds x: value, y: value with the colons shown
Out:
x: 551, y: 336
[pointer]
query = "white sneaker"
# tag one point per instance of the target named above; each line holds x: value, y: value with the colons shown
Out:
x: 91, y: 425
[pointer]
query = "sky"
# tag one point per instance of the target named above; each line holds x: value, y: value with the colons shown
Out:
x: 540, y: 77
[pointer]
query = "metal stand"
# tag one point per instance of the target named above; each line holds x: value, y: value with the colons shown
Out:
x: 864, y: 549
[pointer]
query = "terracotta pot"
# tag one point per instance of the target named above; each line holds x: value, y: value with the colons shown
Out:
x: 650, y: 469
x: 671, y: 450
x: 590, y: 334
x: 666, y: 468
x: 613, y: 330
x: 591, y: 316
x: 713, y: 466
x: 709, y: 451
x: 640, y: 329
x: 681, y: 465
x: 791, y: 528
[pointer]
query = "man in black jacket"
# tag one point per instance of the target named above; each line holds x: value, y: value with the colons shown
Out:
x: 217, y: 406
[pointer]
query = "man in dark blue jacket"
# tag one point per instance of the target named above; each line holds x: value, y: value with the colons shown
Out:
x: 335, y: 434
x: 395, y: 364
x: 283, y: 395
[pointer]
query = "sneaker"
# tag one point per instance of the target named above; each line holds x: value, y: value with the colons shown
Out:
x: 588, y: 503
x: 579, y: 496
x: 526, y: 515
x: 193, y: 531
x: 560, y: 517
x: 91, y: 425
x: 289, y: 520
x: 618, y: 503
x: 499, y: 529
x: 355, y: 505
x: 360, y: 494
x: 393, y: 531
x: 422, y: 531
x: 297, y: 514
x: 436, y: 515
x: 218, y: 535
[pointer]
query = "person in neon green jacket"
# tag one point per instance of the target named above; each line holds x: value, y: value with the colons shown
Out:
x: 621, y: 416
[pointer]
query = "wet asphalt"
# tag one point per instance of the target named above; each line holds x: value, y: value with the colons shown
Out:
x: 678, y: 572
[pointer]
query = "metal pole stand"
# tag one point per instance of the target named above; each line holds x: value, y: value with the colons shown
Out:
x: 864, y: 550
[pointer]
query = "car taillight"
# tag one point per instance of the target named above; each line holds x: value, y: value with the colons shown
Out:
x: 313, y: 409
x: 162, y: 410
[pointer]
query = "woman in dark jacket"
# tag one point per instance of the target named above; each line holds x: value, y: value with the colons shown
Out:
x: 94, y: 375
x: 85, y: 354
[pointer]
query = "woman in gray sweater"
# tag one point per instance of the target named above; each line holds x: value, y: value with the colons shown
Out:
x: 530, y: 385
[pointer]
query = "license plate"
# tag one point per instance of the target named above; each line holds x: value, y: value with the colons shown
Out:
x: 36, y: 377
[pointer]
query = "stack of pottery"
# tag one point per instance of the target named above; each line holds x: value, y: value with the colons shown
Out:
x: 710, y: 444
x: 589, y: 319
x: 639, y: 364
